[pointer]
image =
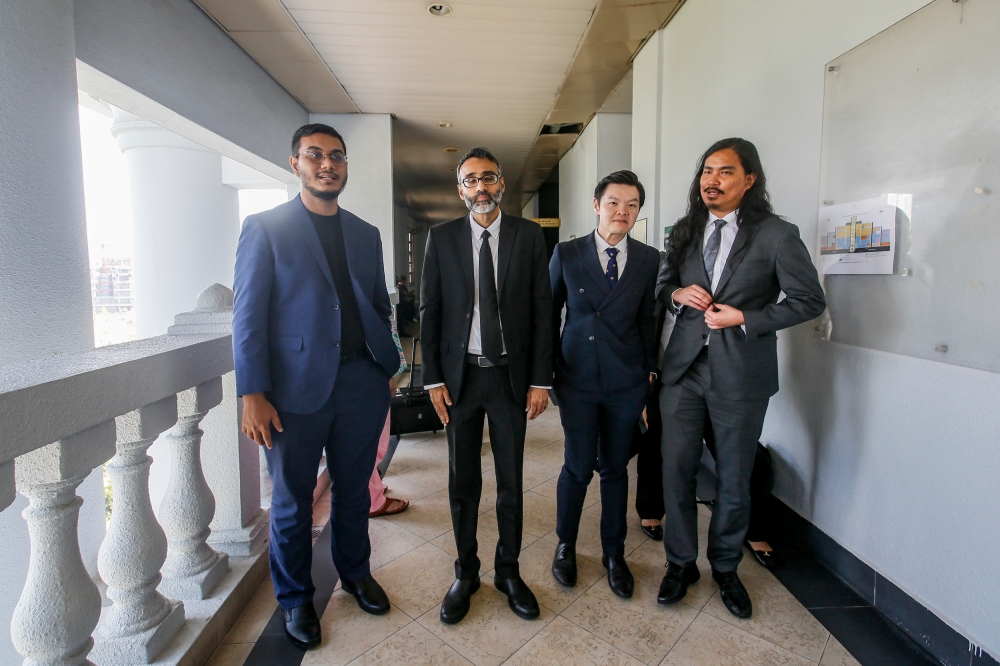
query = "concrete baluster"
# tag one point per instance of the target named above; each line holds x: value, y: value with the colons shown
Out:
x: 60, y: 605
x: 192, y: 568
x: 140, y: 620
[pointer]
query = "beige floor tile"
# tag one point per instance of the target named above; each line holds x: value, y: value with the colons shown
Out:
x: 348, y: 631
x: 490, y: 633
x: 837, y: 655
x: 404, y: 487
x: 648, y: 561
x: 433, y: 475
x: 562, y: 642
x: 415, y: 438
x: 711, y: 642
x: 552, y: 454
x: 411, y: 646
x: 420, y: 454
x: 254, y: 617
x: 777, y: 616
x: 418, y: 580
x: 536, y: 473
x: 588, y: 540
x: 536, y: 570
x: 539, y: 514
x: 637, y: 626
x: 428, y: 518
x: 389, y: 541
x: 540, y: 435
x: 230, y: 655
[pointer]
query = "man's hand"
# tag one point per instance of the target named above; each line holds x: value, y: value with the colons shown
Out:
x: 258, y: 416
x: 538, y: 400
x: 440, y: 397
x: 693, y: 297
x: 723, y: 316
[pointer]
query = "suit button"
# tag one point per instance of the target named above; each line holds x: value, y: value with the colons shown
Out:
x: 598, y: 314
x: 591, y: 337
x: 704, y: 336
x: 336, y: 306
x: 581, y: 291
x: 336, y: 344
x: 463, y: 345
x: 468, y: 315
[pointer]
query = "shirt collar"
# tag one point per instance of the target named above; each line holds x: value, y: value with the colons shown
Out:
x: 731, y: 218
x: 603, y: 245
x: 494, y: 228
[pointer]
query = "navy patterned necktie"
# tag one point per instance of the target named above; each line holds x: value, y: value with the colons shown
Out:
x: 612, y: 271
x: 712, y: 249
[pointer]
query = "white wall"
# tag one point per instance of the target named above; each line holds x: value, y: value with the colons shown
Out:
x: 605, y: 146
x: 892, y: 456
x: 368, y: 193
x: 530, y: 209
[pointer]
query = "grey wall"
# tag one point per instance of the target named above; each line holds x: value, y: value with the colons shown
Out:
x: 892, y: 456
x: 173, y: 53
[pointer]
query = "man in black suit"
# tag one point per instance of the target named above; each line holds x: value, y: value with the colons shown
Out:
x: 730, y: 258
x: 485, y: 331
x: 605, y: 363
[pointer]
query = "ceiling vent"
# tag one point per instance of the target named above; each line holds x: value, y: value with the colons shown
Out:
x: 565, y: 128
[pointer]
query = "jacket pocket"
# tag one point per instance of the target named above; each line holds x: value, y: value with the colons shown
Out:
x: 287, y: 342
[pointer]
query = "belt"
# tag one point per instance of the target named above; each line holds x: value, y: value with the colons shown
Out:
x: 484, y: 362
x: 350, y: 358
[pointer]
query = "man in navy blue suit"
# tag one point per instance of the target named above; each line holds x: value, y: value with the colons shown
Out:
x: 314, y: 353
x: 605, y: 363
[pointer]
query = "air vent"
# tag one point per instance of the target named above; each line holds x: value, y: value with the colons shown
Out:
x: 565, y: 128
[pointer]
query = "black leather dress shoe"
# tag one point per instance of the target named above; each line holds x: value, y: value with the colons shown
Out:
x: 765, y: 558
x: 733, y: 594
x: 620, y: 579
x: 456, y: 603
x: 302, y: 626
x: 564, y: 565
x: 654, y: 532
x: 520, y: 599
x: 674, y: 585
x: 370, y: 595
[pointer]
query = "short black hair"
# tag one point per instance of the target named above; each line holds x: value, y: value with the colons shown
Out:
x: 315, y: 128
x: 624, y: 177
x: 480, y: 153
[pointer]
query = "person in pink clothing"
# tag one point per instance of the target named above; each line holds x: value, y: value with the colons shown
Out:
x: 382, y: 505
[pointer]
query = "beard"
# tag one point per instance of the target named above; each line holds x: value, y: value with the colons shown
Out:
x: 482, y: 207
x: 326, y: 195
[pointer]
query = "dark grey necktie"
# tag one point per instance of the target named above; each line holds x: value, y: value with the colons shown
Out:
x: 489, y: 311
x: 712, y: 249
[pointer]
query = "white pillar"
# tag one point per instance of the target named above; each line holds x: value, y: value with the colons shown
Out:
x: 192, y: 568
x: 186, y: 221
x: 140, y: 620
x: 231, y: 461
x: 60, y: 604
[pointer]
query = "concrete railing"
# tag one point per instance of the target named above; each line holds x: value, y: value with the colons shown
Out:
x: 63, y: 417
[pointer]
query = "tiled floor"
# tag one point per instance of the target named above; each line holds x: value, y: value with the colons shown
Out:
x: 413, y: 557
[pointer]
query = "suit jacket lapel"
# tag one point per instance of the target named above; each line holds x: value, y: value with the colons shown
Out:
x: 303, y: 223
x: 464, y: 241
x: 508, y: 232
x: 740, y: 245
x: 348, y: 227
x: 588, y: 255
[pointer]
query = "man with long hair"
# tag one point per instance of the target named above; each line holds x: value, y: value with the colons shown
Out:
x: 729, y: 259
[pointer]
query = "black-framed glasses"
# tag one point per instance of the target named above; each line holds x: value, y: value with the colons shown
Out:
x: 316, y: 157
x: 488, y: 179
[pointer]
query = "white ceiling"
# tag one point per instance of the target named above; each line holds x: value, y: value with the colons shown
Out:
x: 492, y: 68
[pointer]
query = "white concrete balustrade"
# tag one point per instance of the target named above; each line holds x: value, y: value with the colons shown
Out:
x: 170, y: 594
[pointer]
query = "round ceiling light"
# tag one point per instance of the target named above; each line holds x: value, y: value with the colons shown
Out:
x: 438, y: 10
x: 444, y: 124
x: 451, y: 150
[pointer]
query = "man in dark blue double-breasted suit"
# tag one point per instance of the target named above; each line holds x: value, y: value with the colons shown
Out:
x: 314, y: 353
x: 605, y: 362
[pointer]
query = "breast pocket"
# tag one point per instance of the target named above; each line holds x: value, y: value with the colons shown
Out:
x: 287, y: 342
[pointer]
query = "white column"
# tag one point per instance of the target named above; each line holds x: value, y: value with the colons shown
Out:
x: 186, y: 221
x: 230, y: 460
x: 60, y: 604
x: 140, y: 620
x: 192, y: 568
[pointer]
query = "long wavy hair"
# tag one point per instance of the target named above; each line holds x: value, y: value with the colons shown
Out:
x: 756, y: 203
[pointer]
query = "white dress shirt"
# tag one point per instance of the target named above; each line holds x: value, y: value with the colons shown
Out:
x: 603, y: 256
x: 475, y: 345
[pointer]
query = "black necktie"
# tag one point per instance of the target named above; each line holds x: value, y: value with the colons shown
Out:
x: 612, y: 272
x: 489, y: 311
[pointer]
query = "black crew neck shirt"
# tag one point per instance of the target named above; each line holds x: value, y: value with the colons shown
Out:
x: 331, y: 237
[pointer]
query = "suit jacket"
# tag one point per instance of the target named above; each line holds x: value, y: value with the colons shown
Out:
x: 608, y: 342
x: 767, y: 258
x: 447, y: 293
x: 286, y: 318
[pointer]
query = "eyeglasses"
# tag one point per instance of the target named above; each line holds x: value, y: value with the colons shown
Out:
x: 488, y: 179
x: 316, y: 157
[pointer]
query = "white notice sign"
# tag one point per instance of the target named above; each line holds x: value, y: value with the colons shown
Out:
x: 859, y: 237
